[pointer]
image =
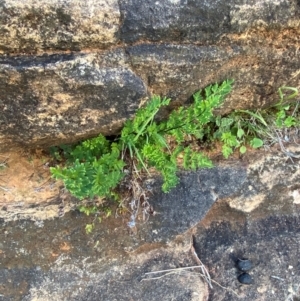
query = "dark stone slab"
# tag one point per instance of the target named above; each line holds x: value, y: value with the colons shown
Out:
x: 197, y: 21
x: 187, y: 204
x: 271, y: 243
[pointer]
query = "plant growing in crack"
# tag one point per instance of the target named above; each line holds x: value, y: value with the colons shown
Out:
x: 96, y: 167
x: 262, y: 127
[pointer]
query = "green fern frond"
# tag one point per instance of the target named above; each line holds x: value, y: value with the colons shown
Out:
x: 194, y: 160
x: 97, y: 166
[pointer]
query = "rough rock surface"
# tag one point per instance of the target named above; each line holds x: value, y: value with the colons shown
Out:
x: 64, y: 98
x: 34, y: 26
x: 265, y: 184
x: 272, y: 244
x: 203, y: 22
x: 55, y: 259
x: 183, y: 207
x: 72, y: 69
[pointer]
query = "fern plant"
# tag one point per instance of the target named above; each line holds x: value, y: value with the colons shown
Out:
x: 95, y: 166
x: 148, y: 140
x: 94, y: 169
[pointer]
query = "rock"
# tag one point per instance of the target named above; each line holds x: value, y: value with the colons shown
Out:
x: 81, y: 59
x: 59, y: 99
x: 70, y: 70
x: 195, y: 21
x: 112, y: 261
x: 184, y: 206
x: 272, y: 242
x: 296, y: 196
x: 35, y: 26
x: 270, y: 178
x: 178, y: 71
x: 86, y: 271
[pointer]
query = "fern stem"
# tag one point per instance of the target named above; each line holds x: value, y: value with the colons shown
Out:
x: 142, y: 129
x: 141, y: 160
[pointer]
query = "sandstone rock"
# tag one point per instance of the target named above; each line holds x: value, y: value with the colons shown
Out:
x: 269, y: 178
x: 56, y: 99
x: 34, y: 26
x: 66, y: 66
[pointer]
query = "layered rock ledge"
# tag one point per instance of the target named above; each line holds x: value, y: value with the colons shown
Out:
x: 71, y: 69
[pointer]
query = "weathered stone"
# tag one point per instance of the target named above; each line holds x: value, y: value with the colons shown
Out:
x: 203, y: 22
x: 178, y: 71
x: 119, y: 283
x: 34, y: 26
x: 270, y: 241
x: 56, y: 99
x: 255, y: 43
x: 124, y: 50
x: 112, y: 261
x: 184, y: 206
x: 269, y: 178
x: 72, y: 265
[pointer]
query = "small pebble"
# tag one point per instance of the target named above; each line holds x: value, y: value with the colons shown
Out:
x: 244, y: 265
x: 245, y: 278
